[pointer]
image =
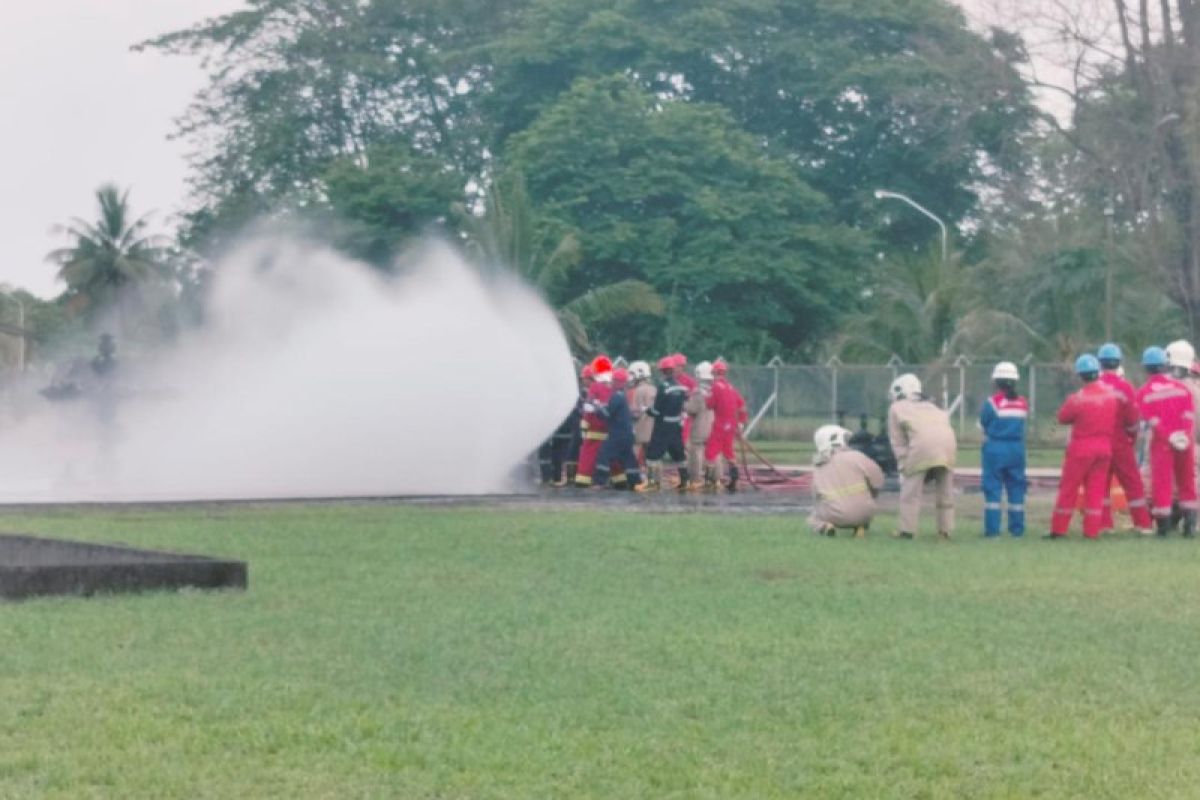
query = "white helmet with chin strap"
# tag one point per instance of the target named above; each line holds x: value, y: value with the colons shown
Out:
x: 1181, y: 354
x: 639, y: 371
x: 906, y: 387
x: 829, y: 439
x: 1006, y: 371
x: 704, y: 371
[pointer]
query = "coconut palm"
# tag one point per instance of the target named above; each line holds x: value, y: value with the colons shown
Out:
x: 506, y: 237
x: 108, y: 259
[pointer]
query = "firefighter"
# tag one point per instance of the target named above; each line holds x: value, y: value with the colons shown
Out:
x: 1123, y: 466
x: 701, y: 416
x: 616, y: 455
x: 595, y: 424
x: 689, y: 383
x: 1093, y: 413
x: 845, y: 485
x: 1166, y: 406
x: 667, y: 437
x: 643, y: 400
x: 1181, y: 357
x: 729, y: 415
x: 1003, y: 419
x: 926, y: 449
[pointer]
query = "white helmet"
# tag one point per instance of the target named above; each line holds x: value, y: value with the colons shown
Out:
x: 704, y: 371
x: 907, y: 386
x: 1006, y: 371
x: 829, y: 438
x: 1181, y: 354
x: 639, y: 371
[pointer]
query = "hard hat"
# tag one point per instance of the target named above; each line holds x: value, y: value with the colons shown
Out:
x: 1087, y: 364
x: 1181, y: 354
x: 601, y: 364
x: 639, y: 370
x: 666, y: 362
x: 1154, y: 357
x: 680, y: 359
x: 620, y: 377
x: 704, y: 371
x: 720, y: 367
x: 1006, y: 371
x: 829, y: 438
x: 906, y: 386
x: 1109, y: 352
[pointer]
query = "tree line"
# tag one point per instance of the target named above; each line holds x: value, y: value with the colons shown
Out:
x: 675, y: 175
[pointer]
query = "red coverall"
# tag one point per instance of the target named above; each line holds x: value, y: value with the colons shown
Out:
x: 1124, y: 466
x: 1093, y: 413
x: 1166, y: 406
x: 729, y: 409
x: 595, y: 431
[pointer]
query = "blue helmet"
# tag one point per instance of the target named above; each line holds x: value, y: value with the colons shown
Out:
x: 1087, y: 363
x: 1109, y: 352
x: 1154, y: 357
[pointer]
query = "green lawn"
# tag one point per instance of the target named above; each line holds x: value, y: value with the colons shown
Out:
x: 393, y: 652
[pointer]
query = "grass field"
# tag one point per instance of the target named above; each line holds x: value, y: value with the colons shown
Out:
x: 385, y: 651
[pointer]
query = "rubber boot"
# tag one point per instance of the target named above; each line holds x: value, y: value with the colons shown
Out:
x: 710, y: 478
x: 1162, y: 526
x: 569, y: 480
x: 683, y: 480
x: 653, y: 475
x: 733, y: 477
x: 1189, y: 524
x: 1176, y: 515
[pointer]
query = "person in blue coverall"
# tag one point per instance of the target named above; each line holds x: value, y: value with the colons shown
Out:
x: 1003, y: 419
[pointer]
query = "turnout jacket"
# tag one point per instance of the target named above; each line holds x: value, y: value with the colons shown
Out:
x: 921, y: 436
x: 702, y: 416
x: 643, y: 400
x: 620, y: 420
x: 1093, y: 413
x: 844, y: 488
x: 595, y: 423
x: 668, y: 402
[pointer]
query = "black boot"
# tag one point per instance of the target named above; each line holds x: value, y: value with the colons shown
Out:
x: 1189, y: 524
x: 1162, y: 526
x: 684, y: 479
x: 733, y: 477
x: 1176, y: 515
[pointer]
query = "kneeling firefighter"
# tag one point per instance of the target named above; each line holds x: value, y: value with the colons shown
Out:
x: 845, y: 484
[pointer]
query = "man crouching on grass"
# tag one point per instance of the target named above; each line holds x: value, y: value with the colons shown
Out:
x: 845, y: 485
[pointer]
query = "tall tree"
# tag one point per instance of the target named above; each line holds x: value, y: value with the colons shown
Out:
x: 108, y: 260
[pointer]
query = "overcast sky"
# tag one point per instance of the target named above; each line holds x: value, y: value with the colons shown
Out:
x: 80, y: 109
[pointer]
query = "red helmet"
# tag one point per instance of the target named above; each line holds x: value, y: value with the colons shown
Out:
x: 720, y: 367
x: 680, y: 359
x: 666, y: 362
x: 620, y: 377
x: 602, y: 364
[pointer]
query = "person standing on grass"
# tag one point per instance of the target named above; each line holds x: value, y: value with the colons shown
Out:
x: 1124, y: 466
x: 926, y: 450
x: 729, y: 415
x: 1166, y: 406
x: 1093, y: 413
x: 1003, y: 419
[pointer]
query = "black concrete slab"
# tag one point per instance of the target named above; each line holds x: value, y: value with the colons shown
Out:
x: 32, y: 567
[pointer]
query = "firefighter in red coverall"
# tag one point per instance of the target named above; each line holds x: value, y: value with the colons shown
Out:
x: 729, y: 414
x: 1124, y: 466
x: 595, y: 424
x: 1167, y: 408
x: 1093, y: 413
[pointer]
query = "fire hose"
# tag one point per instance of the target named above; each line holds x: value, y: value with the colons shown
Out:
x: 783, y: 478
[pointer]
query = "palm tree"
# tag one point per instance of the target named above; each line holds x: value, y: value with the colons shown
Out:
x: 506, y: 237
x: 110, y: 258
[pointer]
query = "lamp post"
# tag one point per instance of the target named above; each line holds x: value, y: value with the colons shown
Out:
x: 883, y: 194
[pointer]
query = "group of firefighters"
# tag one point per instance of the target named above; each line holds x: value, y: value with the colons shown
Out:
x: 625, y: 422
x: 1108, y: 419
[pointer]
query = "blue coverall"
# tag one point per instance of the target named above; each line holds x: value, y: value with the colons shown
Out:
x: 1003, y: 422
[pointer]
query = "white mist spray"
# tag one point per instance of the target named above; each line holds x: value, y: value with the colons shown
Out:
x: 316, y: 377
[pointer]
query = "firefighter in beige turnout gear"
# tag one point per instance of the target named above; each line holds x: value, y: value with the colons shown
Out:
x: 642, y: 401
x: 697, y: 408
x: 845, y: 485
x: 926, y: 449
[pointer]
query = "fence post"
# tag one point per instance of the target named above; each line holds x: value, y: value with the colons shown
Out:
x: 833, y: 365
x: 962, y: 362
x: 775, y: 363
x: 1028, y: 361
x: 895, y: 362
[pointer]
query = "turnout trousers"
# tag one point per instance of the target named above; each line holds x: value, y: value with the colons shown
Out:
x: 1003, y: 472
x: 1091, y: 472
x: 1171, y: 471
x: 1124, y: 468
x: 912, y: 486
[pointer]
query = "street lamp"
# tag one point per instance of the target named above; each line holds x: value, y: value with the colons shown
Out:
x: 881, y: 194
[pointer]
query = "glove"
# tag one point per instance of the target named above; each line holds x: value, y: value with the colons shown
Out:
x: 1180, y: 440
x: 588, y: 408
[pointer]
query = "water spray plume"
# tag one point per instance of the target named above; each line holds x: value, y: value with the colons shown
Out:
x: 316, y: 377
